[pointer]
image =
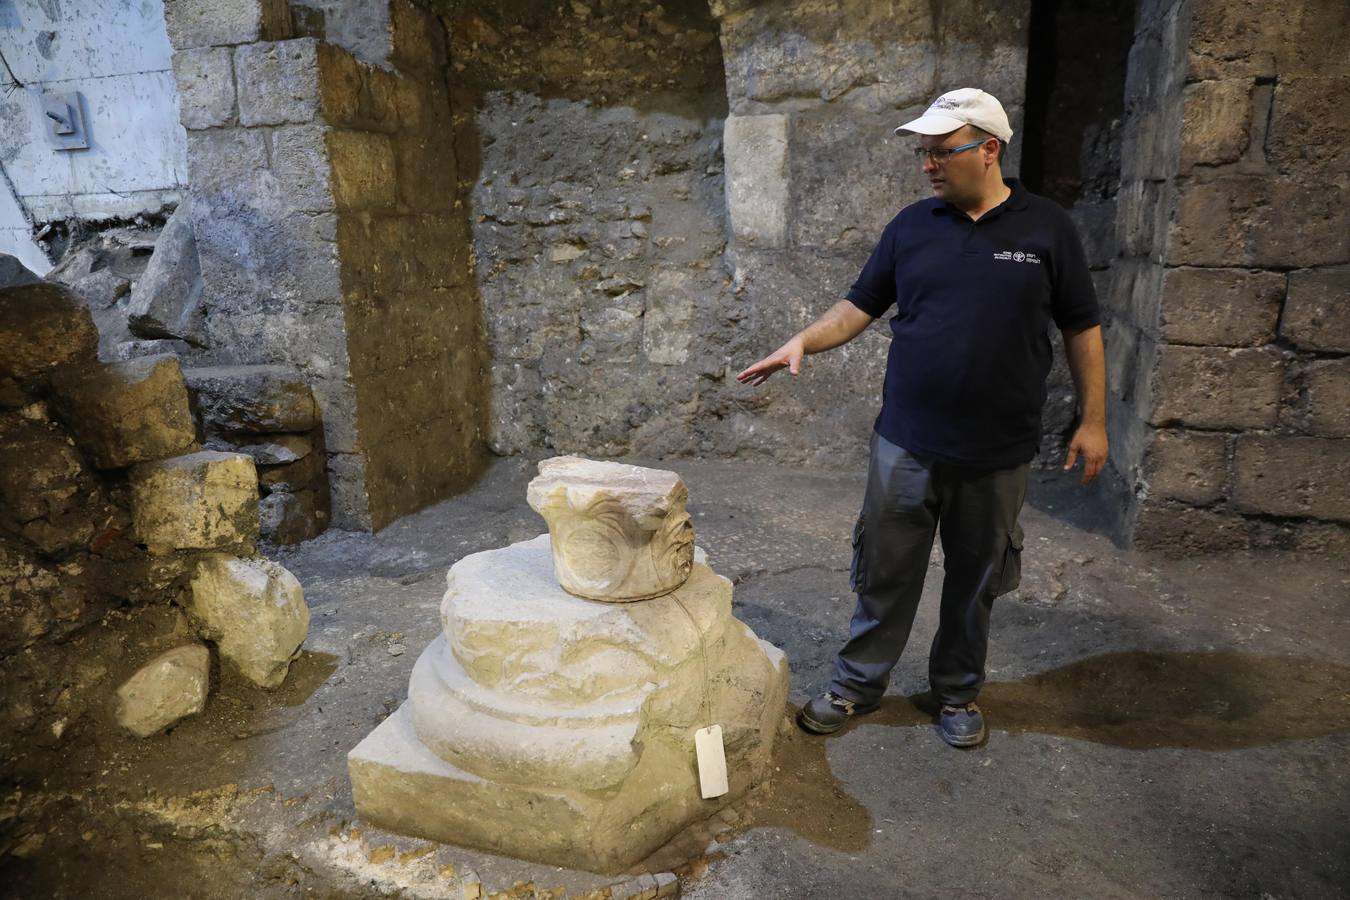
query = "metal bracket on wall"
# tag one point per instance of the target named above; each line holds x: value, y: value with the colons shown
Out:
x: 65, y: 120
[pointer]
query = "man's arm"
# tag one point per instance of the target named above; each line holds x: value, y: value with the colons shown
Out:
x: 840, y: 324
x: 1087, y: 362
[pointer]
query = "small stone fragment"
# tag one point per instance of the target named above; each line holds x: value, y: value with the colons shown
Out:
x: 618, y: 532
x: 14, y: 273
x: 136, y: 349
x: 289, y: 518
x: 255, y: 611
x: 170, y: 687
x: 166, y: 301
x: 274, y: 450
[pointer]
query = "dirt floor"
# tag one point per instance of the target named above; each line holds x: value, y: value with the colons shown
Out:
x: 1159, y: 729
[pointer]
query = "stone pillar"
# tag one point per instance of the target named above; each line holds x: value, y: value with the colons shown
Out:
x: 560, y: 729
x: 332, y: 240
x: 1229, y: 355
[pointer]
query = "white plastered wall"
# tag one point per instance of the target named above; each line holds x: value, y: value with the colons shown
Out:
x: 116, y: 54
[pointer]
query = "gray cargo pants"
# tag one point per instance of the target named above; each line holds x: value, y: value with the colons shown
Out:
x: 908, y: 498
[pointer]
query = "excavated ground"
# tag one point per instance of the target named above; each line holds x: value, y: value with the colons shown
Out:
x: 1159, y: 728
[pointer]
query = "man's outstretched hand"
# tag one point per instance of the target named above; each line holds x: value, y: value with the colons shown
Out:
x: 789, y: 356
x: 1089, y: 441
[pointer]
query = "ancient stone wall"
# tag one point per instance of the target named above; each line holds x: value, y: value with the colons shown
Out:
x: 597, y: 203
x: 1146, y: 194
x: 331, y: 240
x: 414, y: 321
x: 1230, y: 349
x: 626, y: 277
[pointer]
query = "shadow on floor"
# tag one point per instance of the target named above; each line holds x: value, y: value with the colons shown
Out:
x: 1098, y: 508
x: 1208, y: 701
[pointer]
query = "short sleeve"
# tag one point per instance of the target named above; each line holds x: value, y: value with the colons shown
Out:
x: 874, y: 291
x: 1073, y: 300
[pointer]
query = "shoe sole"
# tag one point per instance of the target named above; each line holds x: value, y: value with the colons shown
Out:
x: 811, y: 726
x: 963, y: 742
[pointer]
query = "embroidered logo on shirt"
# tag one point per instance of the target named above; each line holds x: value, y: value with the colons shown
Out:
x: 1017, y: 256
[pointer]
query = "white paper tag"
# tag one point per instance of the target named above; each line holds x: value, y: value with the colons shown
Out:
x: 712, y: 761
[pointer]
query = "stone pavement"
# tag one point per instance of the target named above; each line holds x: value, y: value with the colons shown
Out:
x: 1159, y: 728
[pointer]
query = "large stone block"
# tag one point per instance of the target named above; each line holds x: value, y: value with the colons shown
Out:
x: 278, y: 82
x: 252, y: 399
x: 1310, y: 123
x: 170, y: 687
x: 426, y: 172
x: 1096, y: 224
x: 1231, y: 38
x: 1328, y: 387
x: 1187, y: 465
x: 1249, y: 220
x: 166, y: 301
x: 205, y: 80
x: 417, y: 38
x: 255, y: 612
x: 1317, y: 310
x: 1177, y: 530
x: 1136, y: 294
x: 1216, y: 122
x: 668, y: 321
x: 42, y: 326
x: 200, y: 501
x: 787, y: 51
x: 126, y: 412
x: 302, y: 167
x: 363, y: 169
x: 1208, y: 387
x: 619, y: 532
x: 340, y: 86
x: 843, y: 171
x: 756, y: 152
x: 1223, y: 307
x: 206, y: 23
x: 1142, y: 211
x: 1292, y: 476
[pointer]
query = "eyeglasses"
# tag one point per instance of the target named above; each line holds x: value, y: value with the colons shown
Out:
x: 940, y: 155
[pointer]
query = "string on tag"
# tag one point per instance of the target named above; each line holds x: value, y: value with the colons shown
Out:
x: 705, y: 703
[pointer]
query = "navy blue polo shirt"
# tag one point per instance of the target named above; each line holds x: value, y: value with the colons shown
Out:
x: 965, y: 379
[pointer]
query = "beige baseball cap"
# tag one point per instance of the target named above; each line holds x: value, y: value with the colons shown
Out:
x: 963, y: 106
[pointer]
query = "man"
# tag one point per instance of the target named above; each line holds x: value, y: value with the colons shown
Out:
x: 976, y: 273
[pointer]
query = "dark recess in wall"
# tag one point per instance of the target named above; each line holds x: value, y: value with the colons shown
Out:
x: 1076, y: 62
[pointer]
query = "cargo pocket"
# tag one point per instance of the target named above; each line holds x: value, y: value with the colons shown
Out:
x: 1012, y: 563
x: 857, y: 570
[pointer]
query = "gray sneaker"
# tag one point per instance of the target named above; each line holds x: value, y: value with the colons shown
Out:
x: 961, y: 726
x: 829, y: 712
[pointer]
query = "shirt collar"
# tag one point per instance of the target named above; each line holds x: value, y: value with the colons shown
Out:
x: 1017, y: 200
